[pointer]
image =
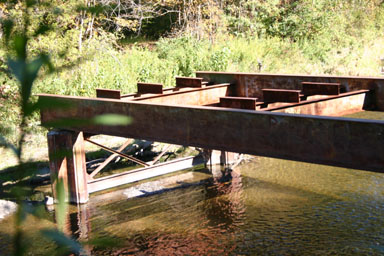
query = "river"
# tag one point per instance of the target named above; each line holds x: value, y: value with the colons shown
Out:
x: 264, y: 206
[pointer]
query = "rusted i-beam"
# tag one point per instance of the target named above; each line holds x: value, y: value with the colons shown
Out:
x: 118, y: 153
x: 344, y: 142
x: 109, y: 159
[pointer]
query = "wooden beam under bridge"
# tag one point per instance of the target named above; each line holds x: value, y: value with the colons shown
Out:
x: 345, y: 142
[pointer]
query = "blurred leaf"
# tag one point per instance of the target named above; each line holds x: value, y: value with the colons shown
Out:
x: 42, y: 29
x: 31, y: 3
x: 17, y: 67
x: 26, y: 73
x: 21, y: 192
x: 62, y: 240
x: 47, y: 61
x: 59, y: 154
x: 49, y: 103
x: 95, y: 10
x: 35, y: 210
x: 32, y: 69
x: 105, y: 242
x: 107, y: 119
x: 7, y: 25
x: 20, y: 46
x: 19, y: 244
x: 21, y: 214
x: 67, y: 122
x: 111, y: 119
x: 61, y: 210
x: 58, y: 11
x: 4, y: 143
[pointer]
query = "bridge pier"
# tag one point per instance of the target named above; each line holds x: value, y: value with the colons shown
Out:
x: 67, y: 163
x: 213, y: 157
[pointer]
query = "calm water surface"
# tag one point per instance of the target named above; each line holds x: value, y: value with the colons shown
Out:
x: 263, y: 207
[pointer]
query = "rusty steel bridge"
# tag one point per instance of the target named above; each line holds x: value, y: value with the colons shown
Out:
x: 293, y: 117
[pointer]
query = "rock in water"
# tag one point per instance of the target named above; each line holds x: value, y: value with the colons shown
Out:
x: 7, y: 208
x: 49, y: 200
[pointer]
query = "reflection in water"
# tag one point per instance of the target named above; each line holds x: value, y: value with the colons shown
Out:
x: 263, y: 207
x: 266, y: 207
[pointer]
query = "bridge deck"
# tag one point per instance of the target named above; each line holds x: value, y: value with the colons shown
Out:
x: 193, y: 117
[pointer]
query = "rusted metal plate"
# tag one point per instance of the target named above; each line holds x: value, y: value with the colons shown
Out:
x: 143, y: 88
x: 250, y: 85
x: 135, y: 160
x: 109, y: 159
x: 189, y: 96
x: 109, y: 94
x: 143, y: 173
x: 343, y: 142
x: 189, y: 82
x: 312, y: 88
x: 281, y: 95
x: 346, y: 103
x: 238, y: 102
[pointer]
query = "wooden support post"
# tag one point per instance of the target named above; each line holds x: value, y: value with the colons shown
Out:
x: 67, y: 162
x: 213, y: 157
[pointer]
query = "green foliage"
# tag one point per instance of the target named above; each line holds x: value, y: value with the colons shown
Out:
x: 309, y: 37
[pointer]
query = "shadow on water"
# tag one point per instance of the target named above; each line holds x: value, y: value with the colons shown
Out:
x: 240, y: 215
x: 262, y: 207
x: 266, y: 207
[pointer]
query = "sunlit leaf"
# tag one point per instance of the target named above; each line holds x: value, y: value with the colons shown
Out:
x: 107, y: 119
x: 62, y: 240
x: 111, y: 119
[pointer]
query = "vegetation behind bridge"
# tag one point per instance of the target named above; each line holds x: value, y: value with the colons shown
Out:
x: 114, y: 44
x: 64, y: 47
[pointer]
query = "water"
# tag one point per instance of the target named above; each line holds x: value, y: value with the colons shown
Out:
x: 263, y: 207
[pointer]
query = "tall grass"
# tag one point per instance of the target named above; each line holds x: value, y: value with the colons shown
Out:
x: 122, y: 69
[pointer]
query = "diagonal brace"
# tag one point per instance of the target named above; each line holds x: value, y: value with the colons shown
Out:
x: 118, y: 153
x: 109, y: 159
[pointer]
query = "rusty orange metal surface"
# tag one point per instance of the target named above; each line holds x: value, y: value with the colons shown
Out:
x: 250, y: 84
x: 143, y: 88
x: 238, y: 102
x: 195, y: 82
x: 109, y: 94
x: 181, y: 116
x: 281, y: 95
x: 325, y: 140
x: 311, y: 88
